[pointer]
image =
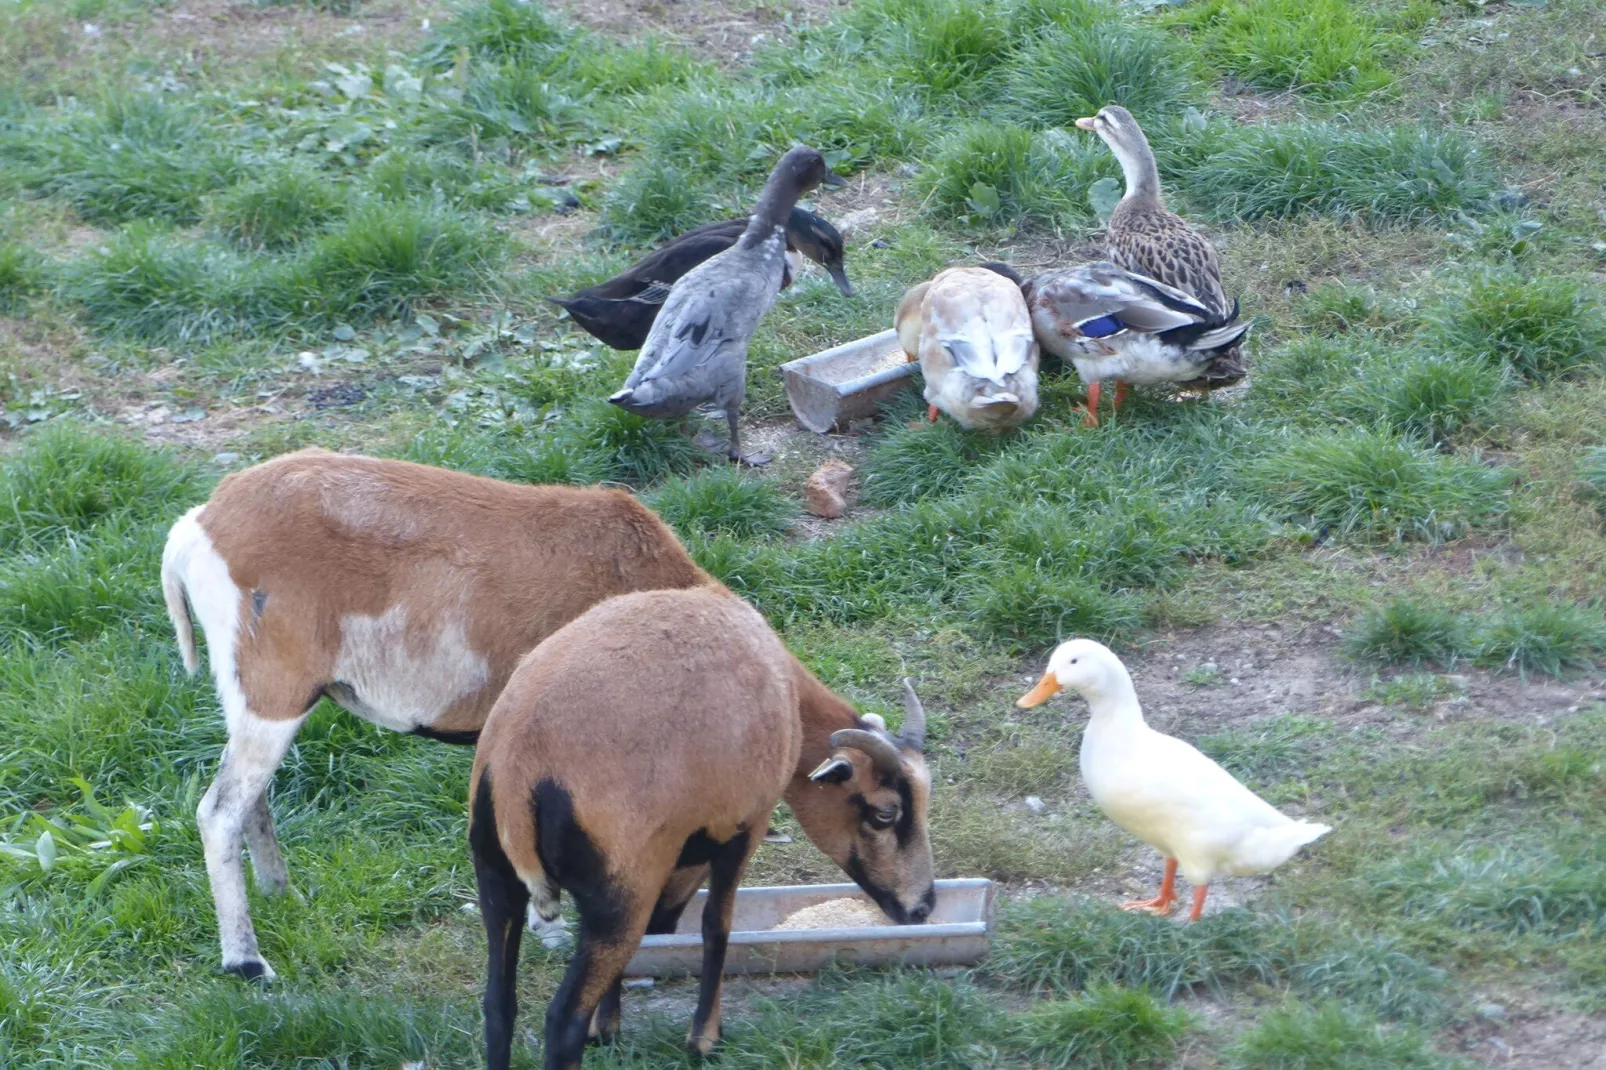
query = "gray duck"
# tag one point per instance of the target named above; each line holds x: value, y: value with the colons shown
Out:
x: 696, y: 351
x: 1145, y: 237
x: 620, y: 312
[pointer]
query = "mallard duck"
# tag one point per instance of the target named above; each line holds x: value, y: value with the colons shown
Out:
x: 971, y: 332
x: 1115, y: 324
x: 1161, y: 789
x: 1143, y: 236
x: 620, y: 312
x: 696, y: 351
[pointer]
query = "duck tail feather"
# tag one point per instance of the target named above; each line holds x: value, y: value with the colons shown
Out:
x: 1265, y: 849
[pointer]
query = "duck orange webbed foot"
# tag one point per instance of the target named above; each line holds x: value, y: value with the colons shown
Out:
x: 1158, y: 906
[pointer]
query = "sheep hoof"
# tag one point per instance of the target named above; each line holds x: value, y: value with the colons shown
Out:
x: 254, y: 970
x: 701, y: 1045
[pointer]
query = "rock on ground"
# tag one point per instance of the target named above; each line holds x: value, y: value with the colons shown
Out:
x: 826, y: 492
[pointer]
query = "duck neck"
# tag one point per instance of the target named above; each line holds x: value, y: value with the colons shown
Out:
x: 774, y: 207
x: 1142, y: 173
x: 1115, y: 705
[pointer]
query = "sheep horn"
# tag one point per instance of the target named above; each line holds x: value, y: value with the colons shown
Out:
x: 882, y: 753
x: 914, y: 717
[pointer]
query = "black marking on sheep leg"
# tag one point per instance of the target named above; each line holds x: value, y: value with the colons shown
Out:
x: 461, y: 739
x: 566, y: 1026
x: 724, y: 872
x: 572, y: 861
x: 698, y: 850
x: 503, y: 900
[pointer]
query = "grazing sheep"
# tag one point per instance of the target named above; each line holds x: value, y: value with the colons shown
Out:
x: 639, y: 750
x: 404, y: 593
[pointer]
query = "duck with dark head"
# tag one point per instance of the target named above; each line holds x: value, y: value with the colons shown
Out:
x: 696, y: 351
x: 621, y: 311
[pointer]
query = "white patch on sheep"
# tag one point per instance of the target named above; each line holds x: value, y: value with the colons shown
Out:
x: 394, y: 683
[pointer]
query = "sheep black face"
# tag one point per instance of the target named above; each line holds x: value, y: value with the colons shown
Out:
x: 868, y: 812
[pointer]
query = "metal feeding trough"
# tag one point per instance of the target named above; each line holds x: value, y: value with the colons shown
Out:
x: 956, y: 935
x: 846, y: 382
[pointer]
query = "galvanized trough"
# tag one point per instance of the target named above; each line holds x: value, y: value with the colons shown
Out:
x: 956, y: 935
x: 846, y: 382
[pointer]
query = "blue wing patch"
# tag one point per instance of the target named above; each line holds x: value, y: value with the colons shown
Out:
x: 1101, y: 327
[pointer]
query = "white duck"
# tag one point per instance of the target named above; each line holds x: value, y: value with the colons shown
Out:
x: 971, y: 332
x: 1161, y: 789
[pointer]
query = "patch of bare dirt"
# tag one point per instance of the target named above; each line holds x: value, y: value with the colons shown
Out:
x: 1515, y: 1040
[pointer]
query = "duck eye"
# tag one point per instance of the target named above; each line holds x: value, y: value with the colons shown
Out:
x: 1074, y: 661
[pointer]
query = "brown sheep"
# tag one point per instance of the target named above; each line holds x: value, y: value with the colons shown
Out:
x: 404, y: 593
x: 640, y: 749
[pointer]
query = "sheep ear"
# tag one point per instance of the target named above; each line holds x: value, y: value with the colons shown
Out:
x: 834, y: 770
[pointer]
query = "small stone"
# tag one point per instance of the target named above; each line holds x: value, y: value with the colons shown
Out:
x: 1490, y: 1012
x: 225, y: 459
x: 1034, y: 804
x: 826, y: 493
x: 854, y: 224
x: 639, y: 982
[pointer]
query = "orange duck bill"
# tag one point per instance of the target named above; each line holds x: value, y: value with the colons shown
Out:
x: 1046, y: 689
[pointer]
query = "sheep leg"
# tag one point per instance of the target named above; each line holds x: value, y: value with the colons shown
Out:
x: 503, y: 898
x: 608, y: 938
x: 256, y: 747
x: 724, y: 874
x: 267, y: 858
x: 683, y: 884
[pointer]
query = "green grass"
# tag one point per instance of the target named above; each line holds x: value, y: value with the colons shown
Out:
x: 1065, y: 74
x: 1109, y: 1028
x: 721, y: 501
x: 653, y: 202
x: 1539, y: 327
x: 1553, y: 638
x: 1402, y: 174
x: 279, y: 209
x: 1372, y: 484
x: 1331, y: 1038
x: 1408, y: 631
x: 1327, y: 49
x: 1002, y: 173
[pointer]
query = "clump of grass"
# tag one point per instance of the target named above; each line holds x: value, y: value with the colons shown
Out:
x: 1028, y: 17
x: 274, y: 211
x: 1333, y: 1038
x: 497, y: 29
x: 1054, y: 945
x: 1064, y: 74
x: 722, y: 501
x: 1554, y: 888
x: 1003, y: 173
x: 939, y: 46
x: 1408, y: 631
x: 507, y: 104
x: 1541, y: 327
x: 134, y: 156
x: 1034, y: 608
x: 1432, y: 398
x: 84, y: 585
x: 22, y: 274
x: 608, y: 69
x: 1552, y: 638
x: 1399, y: 174
x: 1592, y: 476
x: 149, y: 284
x: 654, y: 201
x: 65, y: 480
x: 1107, y: 1028
x: 402, y: 174
x: 285, y: 1030
x: 1373, y: 485
x: 627, y: 447
x: 383, y: 257
x: 1326, y: 49
x: 910, y: 463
